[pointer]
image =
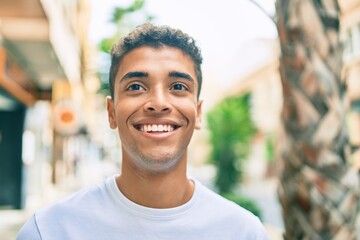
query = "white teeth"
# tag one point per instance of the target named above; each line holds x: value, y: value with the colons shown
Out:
x: 157, y: 128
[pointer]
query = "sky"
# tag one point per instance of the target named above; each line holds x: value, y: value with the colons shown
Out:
x: 230, y: 33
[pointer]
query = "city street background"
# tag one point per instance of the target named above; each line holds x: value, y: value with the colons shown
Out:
x: 304, y: 119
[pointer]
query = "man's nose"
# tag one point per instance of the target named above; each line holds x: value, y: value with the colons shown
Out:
x: 158, y: 102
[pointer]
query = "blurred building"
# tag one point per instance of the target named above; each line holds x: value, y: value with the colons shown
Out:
x: 350, y: 23
x: 44, y: 80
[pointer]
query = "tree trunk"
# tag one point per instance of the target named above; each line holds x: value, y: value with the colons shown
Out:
x: 319, y: 189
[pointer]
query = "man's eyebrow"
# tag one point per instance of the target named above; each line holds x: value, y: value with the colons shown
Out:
x: 135, y: 74
x: 176, y: 74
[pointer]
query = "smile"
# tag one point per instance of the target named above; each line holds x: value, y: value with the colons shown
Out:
x: 156, y: 128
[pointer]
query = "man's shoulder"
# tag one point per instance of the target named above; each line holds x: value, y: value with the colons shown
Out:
x: 78, y: 210
x: 78, y: 201
x: 223, y: 213
x: 224, y: 207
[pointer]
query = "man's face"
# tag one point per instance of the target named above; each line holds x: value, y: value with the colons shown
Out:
x: 155, y: 107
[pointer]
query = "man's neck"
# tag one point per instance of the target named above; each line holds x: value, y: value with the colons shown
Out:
x: 166, y: 190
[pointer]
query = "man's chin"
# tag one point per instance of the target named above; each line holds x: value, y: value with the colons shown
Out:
x: 158, y: 163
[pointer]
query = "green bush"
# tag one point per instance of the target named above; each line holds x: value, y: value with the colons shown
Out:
x: 231, y: 130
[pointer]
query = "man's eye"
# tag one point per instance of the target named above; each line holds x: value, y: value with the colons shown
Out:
x: 135, y: 87
x: 179, y: 87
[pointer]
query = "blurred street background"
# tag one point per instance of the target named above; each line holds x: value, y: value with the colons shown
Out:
x: 55, y: 138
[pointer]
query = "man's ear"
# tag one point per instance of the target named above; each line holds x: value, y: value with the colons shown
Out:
x: 111, y: 112
x: 198, y: 115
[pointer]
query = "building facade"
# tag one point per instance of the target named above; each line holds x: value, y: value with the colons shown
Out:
x: 42, y: 43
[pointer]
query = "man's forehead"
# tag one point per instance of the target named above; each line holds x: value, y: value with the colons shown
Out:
x: 145, y: 58
x: 144, y: 75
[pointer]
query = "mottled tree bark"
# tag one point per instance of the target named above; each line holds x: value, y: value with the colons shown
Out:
x: 319, y: 190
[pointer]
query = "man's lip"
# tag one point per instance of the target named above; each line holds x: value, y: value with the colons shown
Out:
x: 156, y: 121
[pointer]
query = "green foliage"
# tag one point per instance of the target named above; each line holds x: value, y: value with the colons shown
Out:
x: 245, y: 202
x: 120, y: 12
x: 123, y: 21
x: 231, y: 130
x: 106, y: 43
x: 269, y: 148
x: 104, y: 89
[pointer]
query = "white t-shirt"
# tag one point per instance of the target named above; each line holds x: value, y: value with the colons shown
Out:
x: 102, y: 212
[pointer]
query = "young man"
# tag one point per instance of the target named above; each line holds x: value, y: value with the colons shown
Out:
x: 155, y: 81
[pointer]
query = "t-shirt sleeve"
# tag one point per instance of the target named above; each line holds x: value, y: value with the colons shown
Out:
x: 29, y: 231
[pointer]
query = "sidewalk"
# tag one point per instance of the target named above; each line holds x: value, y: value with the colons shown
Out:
x: 10, y: 223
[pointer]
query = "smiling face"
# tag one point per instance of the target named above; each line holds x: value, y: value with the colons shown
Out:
x: 155, y: 107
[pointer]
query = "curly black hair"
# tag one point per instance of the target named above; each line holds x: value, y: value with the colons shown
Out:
x: 148, y: 34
